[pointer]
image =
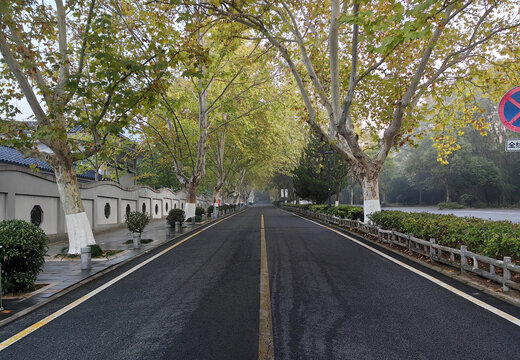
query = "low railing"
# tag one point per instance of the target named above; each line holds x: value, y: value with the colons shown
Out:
x: 508, y: 274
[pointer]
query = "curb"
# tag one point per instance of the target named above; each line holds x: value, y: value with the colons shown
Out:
x: 105, y: 271
x: 449, y: 274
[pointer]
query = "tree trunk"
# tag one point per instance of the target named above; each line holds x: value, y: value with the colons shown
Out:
x: 216, y: 193
x: 370, y: 185
x: 447, y: 187
x: 78, y: 227
x: 191, y: 201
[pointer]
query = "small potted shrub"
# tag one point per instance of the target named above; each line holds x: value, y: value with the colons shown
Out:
x: 199, y: 211
x: 209, y: 211
x: 175, y: 215
x: 23, y: 249
x: 136, y: 222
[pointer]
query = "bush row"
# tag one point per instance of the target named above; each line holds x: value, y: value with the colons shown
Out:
x: 495, y: 239
x: 343, y: 211
x: 23, y: 249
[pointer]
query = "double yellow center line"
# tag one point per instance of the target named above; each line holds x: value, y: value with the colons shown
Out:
x: 265, y: 333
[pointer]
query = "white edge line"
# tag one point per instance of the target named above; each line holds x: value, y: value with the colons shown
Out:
x: 442, y: 284
x: 20, y: 335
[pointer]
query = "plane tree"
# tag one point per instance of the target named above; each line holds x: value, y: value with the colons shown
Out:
x: 79, y: 69
x: 367, y: 64
x: 216, y: 85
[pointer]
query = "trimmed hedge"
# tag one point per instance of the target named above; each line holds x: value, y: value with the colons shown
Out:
x: 495, y: 239
x: 199, y: 211
x: 449, y: 205
x: 24, y: 246
x: 343, y: 211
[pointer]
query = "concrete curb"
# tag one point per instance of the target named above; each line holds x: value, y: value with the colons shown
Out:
x: 454, y: 276
x: 106, y: 271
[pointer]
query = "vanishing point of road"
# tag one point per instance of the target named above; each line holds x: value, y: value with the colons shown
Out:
x: 266, y: 284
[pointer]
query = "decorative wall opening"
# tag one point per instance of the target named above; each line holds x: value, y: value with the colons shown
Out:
x: 166, y: 206
x: 175, y: 206
x: 107, y: 210
x: 128, y: 209
x: 156, y: 209
x: 36, y: 215
x: 143, y: 208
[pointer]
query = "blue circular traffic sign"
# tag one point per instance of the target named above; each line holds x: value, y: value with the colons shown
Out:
x: 509, y: 109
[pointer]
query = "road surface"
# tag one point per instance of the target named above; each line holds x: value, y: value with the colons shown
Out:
x: 330, y: 298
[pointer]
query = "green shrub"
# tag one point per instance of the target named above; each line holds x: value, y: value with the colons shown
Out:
x: 24, y: 246
x: 175, y: 215
x: 318, y: 208
x: 136, y: 221
x: 95, y: 250
x: 347, y: 212
x: 490, y: 238
x: 199, y: 211
x: 223, y: 207
x: 198, y: 218
x: 449, y: 205
x: 210, y: 209
x: 480, y: 204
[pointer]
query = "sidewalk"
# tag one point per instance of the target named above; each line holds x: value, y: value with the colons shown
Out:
x: 59, y: 274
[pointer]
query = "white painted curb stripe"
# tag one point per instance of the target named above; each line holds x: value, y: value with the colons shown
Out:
x: 48, y: 319
x: 442, y: 284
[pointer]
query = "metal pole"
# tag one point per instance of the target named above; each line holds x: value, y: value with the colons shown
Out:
x: 328, y: 172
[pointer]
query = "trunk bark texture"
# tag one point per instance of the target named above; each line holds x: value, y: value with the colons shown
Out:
x: 78, y: 227
x: 191, y: 202
x: 369, y: 180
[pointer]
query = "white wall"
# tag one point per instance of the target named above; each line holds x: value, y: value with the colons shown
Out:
x: 21, y: 189
x: 101, y: 218
x: 89, y: 209
x: 157, y: 205
x: 147, y: 202
x: 2, y: 206
x: 167, y: 206
x: 49, y: 205
x: 122, y: 211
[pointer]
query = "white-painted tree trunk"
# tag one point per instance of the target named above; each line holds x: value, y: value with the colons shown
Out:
x: 371, y: 202
x: 78, y: 227
x: 189, y: 210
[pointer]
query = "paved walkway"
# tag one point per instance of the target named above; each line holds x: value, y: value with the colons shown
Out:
x: 59, y: 274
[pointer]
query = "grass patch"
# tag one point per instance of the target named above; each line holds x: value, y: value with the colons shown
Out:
x: 97, y: 254
x: 143, y: 241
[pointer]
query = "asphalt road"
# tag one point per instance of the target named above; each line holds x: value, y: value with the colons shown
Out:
x: 330, y: 298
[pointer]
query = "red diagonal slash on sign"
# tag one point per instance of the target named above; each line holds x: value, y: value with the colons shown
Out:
x: 515, y: 103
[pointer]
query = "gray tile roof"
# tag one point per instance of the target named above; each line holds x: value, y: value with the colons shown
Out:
x: 12, y: 156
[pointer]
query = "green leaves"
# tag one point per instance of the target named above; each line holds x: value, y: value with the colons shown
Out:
x: 24, y: 246
x: 490, y: 238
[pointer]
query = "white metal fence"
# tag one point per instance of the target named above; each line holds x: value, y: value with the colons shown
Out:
x: 508, y: 274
